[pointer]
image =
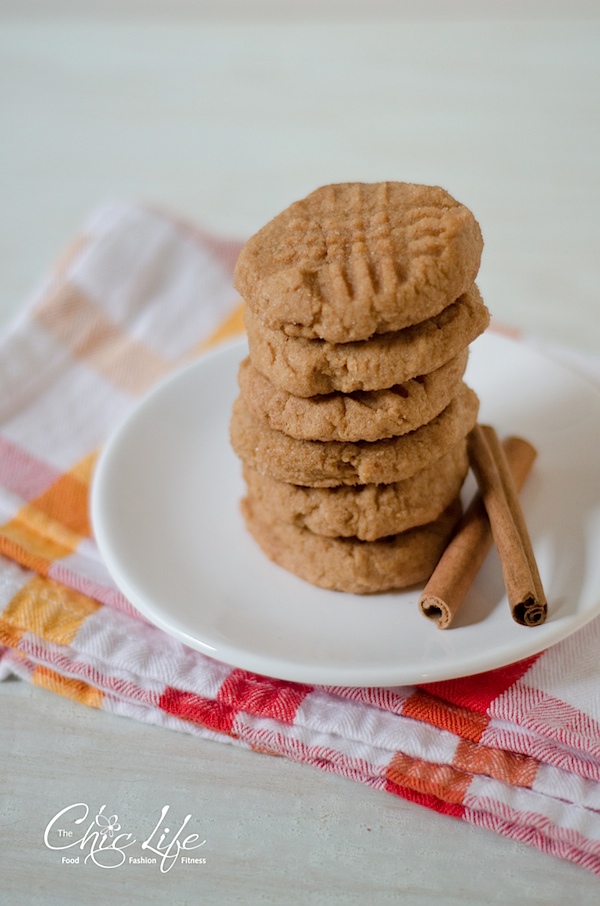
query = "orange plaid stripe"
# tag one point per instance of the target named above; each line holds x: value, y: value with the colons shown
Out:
x: 53, y: 525
x: 49, y: 610
x: 70, y: 688
x: 427, y: 708
x: 20, y: 542
x: 10, y: 635
x: 76, y: 320
x: 518, y: 770
x: 66, y: 501
x: 442, y: 781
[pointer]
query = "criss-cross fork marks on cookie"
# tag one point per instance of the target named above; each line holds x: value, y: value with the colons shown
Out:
x: 353, y: 414
x: 367, y: 254
x: 350, y: 261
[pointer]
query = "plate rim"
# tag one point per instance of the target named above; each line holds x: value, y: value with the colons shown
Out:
x: 318, y: 674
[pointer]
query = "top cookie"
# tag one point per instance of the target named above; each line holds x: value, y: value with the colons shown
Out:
x: 356, y: 259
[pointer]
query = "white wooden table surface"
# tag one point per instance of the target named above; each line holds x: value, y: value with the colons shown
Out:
x: 225, y: 114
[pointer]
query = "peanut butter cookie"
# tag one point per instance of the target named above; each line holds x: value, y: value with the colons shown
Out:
x: 367, y: 511
x: 346, y: 564
x: 362, y: 415
x: 328, y: 464
x: 356, y: 259
x: 311, y: 367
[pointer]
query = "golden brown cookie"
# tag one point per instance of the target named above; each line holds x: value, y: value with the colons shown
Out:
x: 324, y: 465
x: 363, y: 415
x: 346, y: 564
x: 356, y: 259
x: 311, y: 367
x: 367, y: 511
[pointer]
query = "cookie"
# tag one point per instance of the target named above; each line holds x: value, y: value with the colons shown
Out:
x: 312, y: 367
x: 324, y: 465
x: 357, y: 259
x: 362, y: 415
x: 368, y: 511
x: 347, y: 564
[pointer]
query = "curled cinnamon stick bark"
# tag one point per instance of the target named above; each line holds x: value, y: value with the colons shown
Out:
x: 526, y: 595
x: 465, y: 554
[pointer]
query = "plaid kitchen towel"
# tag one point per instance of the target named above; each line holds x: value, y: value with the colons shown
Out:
x: 137, y: 294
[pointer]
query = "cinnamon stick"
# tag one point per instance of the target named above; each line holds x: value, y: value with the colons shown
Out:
x: 524, y: 588
x: 469, y: 547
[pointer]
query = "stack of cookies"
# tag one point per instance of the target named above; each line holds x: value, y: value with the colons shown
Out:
x: 353, y: 415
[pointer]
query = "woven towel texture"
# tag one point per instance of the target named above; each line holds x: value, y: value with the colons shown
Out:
x: 137, y: 294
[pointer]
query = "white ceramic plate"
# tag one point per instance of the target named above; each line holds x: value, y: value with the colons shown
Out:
x: 166, y: 517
